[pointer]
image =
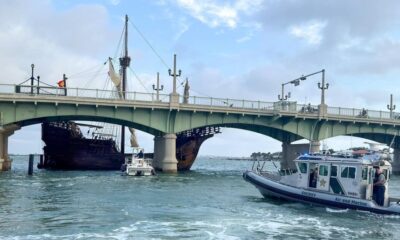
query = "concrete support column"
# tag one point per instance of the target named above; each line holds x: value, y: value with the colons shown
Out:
x: 165, y: 153
x: 290, y: 152
x: 3, y: 154
x: 314, y: 146
x: 286, y: 162
x: 157, y: 152
x: 5, y: 132
x: 396, y: 162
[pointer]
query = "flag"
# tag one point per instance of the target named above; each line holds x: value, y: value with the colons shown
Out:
x: 61, y: 83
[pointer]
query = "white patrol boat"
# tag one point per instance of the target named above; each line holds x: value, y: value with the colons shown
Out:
x: 341, y: 182
x: 138, y: 165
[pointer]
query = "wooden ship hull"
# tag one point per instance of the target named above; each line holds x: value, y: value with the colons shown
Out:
x: 188, y: 144
x: 67, y: 149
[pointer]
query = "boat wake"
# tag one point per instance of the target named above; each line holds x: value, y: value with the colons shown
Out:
x: 333, y: 210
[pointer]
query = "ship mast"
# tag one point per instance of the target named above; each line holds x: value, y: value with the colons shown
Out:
x: 124, y: 62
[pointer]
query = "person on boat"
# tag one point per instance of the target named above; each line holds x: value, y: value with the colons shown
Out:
x: 379, y: 187
x: 140, y: 154
x: 313, y: 177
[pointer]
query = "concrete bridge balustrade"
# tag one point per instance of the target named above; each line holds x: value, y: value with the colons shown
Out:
x: 166, y: 116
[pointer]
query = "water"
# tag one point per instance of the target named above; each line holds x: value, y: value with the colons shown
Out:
x: 210, y: 202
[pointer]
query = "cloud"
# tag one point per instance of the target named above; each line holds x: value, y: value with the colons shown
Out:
x: 115, y: 2
x: 219, y: 14
x: 183, y: 27
x: 251, y: 29
x: 74, y: 40
x: 337, y: 32
x: 310, y: 31
x: 56, y: 41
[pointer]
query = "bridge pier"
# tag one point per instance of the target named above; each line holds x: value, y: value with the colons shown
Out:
x: 314, y: 146
x: 5, y: 132
x: 291, y: 152
x: 164, y: 158
x: 396, y: 161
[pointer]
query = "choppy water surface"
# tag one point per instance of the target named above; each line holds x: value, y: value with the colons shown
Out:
x: 210, y: 202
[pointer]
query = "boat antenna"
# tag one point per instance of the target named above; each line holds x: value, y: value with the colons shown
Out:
x: 124, y: 62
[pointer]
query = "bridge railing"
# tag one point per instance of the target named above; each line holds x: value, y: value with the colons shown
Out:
x: 229, y: 104
x: 38, y: 91
x: 362, y: 113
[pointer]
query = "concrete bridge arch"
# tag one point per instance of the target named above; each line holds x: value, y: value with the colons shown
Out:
x: 167, y: 118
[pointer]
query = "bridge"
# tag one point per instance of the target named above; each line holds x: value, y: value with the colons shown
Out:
x: 165, y: 115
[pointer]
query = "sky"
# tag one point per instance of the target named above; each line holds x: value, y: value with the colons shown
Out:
x: 243, y: 49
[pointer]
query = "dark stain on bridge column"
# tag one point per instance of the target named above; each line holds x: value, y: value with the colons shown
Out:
x: 171, y: 121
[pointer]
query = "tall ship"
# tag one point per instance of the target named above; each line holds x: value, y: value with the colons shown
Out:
x: 68, y: 148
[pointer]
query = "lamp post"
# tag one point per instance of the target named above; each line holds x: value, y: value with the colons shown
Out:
x: 284, y: 97
x: 174, y: 97
x: 391, y: 107
x: 323, y: 87
x: 158, y: 88
x: 174, y: 75
x: 32, y: 77
x: 322, y: 108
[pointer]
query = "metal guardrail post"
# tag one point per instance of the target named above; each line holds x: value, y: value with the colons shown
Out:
x: 134, y: 96
x: 380, y: 114
x: 243, y: 104
x: 211, y: 102
x: 194, y: 99
x: 339, y: 111
x: 353, y: 113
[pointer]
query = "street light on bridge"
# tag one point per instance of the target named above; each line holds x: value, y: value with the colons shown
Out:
x: 283, y: 97
x: 321, y: 85
x: 391, y: 107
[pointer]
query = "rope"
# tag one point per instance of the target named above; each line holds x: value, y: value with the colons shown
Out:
x: 159, y: 56
x: 140, y: 81
x: 95, y: 75
x: 149, y: 44
x: 119, y: 43
x: 88, y: 70
x: 27, y: 80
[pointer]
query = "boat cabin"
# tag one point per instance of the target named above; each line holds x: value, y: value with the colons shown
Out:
x: 342, y: 176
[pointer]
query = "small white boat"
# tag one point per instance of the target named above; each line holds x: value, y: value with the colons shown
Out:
x: 138, y: 165
x: 341, y: 182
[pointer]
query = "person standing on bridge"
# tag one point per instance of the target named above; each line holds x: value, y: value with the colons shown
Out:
x: 379, y: 187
